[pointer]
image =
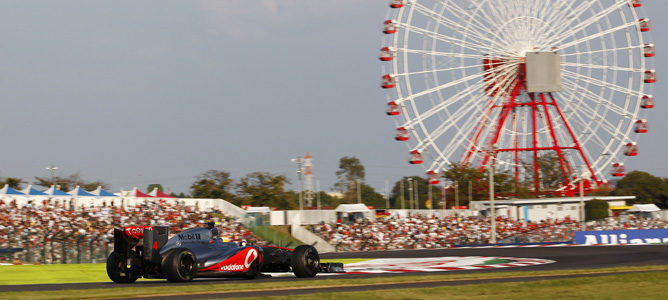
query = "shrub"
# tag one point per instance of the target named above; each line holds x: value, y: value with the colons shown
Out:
x: 596, y: 210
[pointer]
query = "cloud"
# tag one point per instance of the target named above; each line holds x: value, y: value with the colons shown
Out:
x: 252, y: 19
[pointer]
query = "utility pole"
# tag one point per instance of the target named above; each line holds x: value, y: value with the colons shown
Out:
x: 457, y: 194
x: 429, y: 196
x: 359, y: 192
x: 387, y: 194
x: 417, y: 196
x: 410, y: 193
x: 401, y: 190
x: 470, y: 193
x: 491, y: 195
x: 317, y: 188
x: 583, y: 173
x: 299, y: 161
x: 444, y: 203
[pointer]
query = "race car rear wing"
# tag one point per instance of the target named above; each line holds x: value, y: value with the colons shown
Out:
x: 150, y: 238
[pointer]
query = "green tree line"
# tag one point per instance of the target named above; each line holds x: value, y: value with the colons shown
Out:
x: 462, y: 183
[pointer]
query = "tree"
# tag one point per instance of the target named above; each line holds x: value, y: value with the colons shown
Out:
x: 12, y: 182
x: 596, y: 210
x: 550, y: 174
x: 212, y: 184
x: 264, y: 189
x: 350, y: 171
x: 327, y: 199
x: 153, y: 186
x: 92, y: 185
x: 415, y: 185
x: 646, y: 187
x: 69, y: 183
x: 369, y: 196
x: 462, y: 175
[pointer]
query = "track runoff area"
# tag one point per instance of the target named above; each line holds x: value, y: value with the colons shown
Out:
x: 385, y: 268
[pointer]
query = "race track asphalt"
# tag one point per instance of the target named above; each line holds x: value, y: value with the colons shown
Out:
x: 581, y: 257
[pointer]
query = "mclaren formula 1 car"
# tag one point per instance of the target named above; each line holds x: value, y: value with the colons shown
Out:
x: 146, y: 251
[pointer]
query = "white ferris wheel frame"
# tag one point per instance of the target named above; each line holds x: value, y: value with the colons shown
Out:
x: 442, y: 101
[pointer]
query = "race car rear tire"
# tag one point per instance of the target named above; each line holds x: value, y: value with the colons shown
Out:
x: 305, y: 261
x: 179, y: 265
x: 116, y: 266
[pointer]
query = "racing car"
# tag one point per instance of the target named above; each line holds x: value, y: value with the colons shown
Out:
x: 146, y: 251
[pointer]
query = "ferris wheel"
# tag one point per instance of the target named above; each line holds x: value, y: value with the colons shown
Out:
x: 514, y: 80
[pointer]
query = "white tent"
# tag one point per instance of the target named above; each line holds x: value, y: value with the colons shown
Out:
x: 644, y: 208
x: 351, y: 208
x: 258, y: 209
x: 352, y: 212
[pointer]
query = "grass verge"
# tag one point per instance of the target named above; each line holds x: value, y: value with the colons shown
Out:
x: 625, y: 286
x: 74, y: 273
x: 557, y: 288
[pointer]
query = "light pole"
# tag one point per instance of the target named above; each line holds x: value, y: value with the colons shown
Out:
x: 410, y: 193
x: 444, y: 200
x: 387, y: 194
x: 299, y: 161
x: 359, y: 192
x: 457, y: 194
x: 491, y: 194
x: 52, y: 169
x: 584, y: 173
x: 401, y: 190
x: 417, y: 196
x: 317, y: 188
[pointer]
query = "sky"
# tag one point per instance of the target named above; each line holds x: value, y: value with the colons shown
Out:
x: 139, y: 92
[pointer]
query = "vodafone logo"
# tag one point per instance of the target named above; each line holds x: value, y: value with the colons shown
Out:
x: 251, y: 255
x: 233, y: 267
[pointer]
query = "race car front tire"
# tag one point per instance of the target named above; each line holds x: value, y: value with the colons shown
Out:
x: 118, y: 272
x: 253, y: 270
x: 305, y: 261
x: 179, y: 265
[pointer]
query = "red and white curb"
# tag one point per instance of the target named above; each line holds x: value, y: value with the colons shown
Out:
x: 439, y: 264
x: 432, y: 264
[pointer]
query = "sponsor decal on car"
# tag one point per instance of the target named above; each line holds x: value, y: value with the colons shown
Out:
x: 250, y: 257
x: 233, y: 268
x: 189, y: 236
x: 239, y: 262
x: 136, y: 232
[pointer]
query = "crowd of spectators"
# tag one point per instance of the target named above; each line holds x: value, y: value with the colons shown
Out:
x: 420, y: 232
x: 53, y: 233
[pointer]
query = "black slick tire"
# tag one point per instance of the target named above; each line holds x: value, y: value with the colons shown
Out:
x: 305, y: 261
x: 179, y: 265
x: 118, y: 271
x: 253, y: 271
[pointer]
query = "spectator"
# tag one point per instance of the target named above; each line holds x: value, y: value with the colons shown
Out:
x: 43, y: 230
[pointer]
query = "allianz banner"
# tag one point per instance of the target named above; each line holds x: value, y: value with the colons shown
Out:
x: 615, y: 237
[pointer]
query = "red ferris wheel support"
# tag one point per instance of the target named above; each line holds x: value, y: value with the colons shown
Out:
x: 542, y: 105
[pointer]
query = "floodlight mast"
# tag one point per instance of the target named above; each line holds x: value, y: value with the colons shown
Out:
x: 299, y: 161
x: 52, y: 169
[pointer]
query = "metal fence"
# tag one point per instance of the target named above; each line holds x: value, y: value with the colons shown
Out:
x: 60, y: 247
